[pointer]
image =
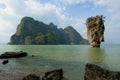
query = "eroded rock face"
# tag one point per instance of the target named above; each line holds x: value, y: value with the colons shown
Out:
x: 31, y: 77
x: 56, y: 74
x: 13, y: 54
x: 53, y: 75
x: 95, y: 30
x: 94, y: 72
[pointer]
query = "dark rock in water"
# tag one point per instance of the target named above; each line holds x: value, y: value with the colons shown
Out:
x: 5, y: 62
x: 94, y: 72
x: 33, y: 55
x: 95, y: 30
x: 53, y: 75
x: 13, y: 54
x: 31, y: 77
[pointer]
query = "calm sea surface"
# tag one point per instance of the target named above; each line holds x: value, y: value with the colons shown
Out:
x: 72, y: 58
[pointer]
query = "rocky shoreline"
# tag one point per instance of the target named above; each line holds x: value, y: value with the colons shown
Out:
x: 92, y: 72
x: 56, y: 74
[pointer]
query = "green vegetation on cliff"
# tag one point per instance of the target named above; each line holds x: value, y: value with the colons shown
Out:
x: 31, y: 31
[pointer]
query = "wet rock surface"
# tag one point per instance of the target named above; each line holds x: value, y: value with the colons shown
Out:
x: 56, y: 74
x: 31, y: 77
x: 94, y: 72
x: 95, y: 30
x: 53, y: 75
x: 5, y: 62
x: 13, y: 54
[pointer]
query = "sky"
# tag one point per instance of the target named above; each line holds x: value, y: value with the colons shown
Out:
x: 62, y: 13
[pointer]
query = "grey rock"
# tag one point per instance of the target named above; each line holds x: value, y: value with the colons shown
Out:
x: 13, y: 54
x: 5, y: 62
x: 95, y: 30
x: 31, y: 77
x: 53, y: 75
x: 94, y: 72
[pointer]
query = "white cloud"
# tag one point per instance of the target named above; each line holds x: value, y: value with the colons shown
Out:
x: 69, y: 2
x: 111, y: 5
x: 65, y: 3
x: 5, y: 30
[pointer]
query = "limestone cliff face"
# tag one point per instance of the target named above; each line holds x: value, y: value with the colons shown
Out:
x: 95, y: 30
x: 74, y: 36
x: 31, y: 31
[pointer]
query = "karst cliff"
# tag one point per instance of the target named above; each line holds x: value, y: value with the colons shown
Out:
x: 95, y: 30
x: 31, y: 31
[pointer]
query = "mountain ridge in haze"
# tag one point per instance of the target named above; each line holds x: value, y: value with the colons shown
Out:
x: 33, y: 32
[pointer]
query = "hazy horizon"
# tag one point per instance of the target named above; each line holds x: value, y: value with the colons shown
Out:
x: 62, y: 13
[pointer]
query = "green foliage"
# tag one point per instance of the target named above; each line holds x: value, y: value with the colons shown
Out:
x: 39, y: 39
x: 73, y: 36
x: 84, y: 41
x: 92, y: 23
x: 51, y: 38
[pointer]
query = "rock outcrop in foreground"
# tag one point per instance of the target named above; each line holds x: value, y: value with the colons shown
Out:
x: 13, y: 54
x: 56, y: 74
x: 94, y: 72
x: 31, y: 31
x: 31, y: 77
x: 5, y: 62
x: 95, y: 30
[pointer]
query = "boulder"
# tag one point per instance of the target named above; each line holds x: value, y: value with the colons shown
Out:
x: 56, y: 74
x: 31, y: 77
x: 94, y: 72
x: 95, y: 30
x: 5, y: 62
x: 13, y: 54
x: 53, y: 75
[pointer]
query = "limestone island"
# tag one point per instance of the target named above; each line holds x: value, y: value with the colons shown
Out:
x: 95, y: 30
x: 33, y: 32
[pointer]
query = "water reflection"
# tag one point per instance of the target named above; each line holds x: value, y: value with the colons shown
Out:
x: 96, y: 55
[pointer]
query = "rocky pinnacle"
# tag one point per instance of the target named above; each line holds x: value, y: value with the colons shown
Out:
x: 95, y: 30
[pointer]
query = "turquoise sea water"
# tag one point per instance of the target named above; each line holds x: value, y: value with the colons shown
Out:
x: 72, y: 58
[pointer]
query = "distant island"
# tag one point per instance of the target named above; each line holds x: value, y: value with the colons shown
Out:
x: 33, y: 32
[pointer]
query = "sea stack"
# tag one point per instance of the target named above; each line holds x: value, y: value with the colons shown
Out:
x: 95, y: 30
x: 94, y: 72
